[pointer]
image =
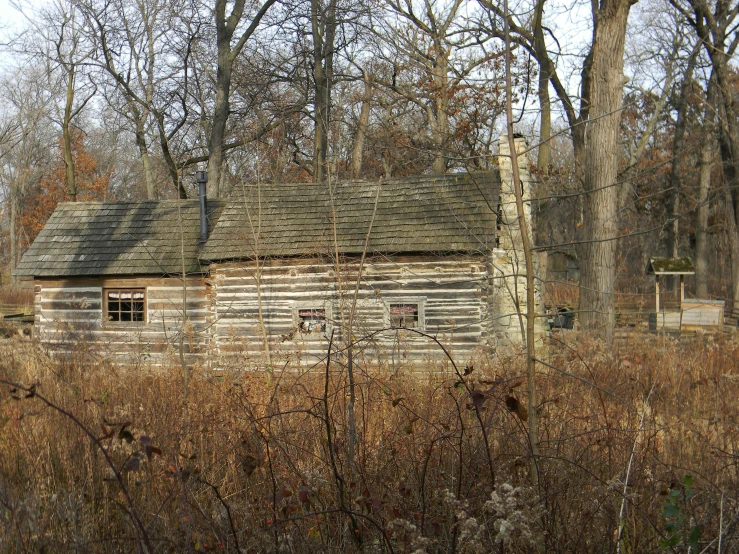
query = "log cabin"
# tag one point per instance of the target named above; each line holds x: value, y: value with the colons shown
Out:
x: 269, y: 275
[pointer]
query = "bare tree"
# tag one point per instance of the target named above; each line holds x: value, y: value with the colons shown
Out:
x: 545, y: 73
x: 436, y: 45
x: 360, y: 133
x: 227, y: 25
x: 594, y: 132
x: 681, y: 107
x: 715, y: 25
x: 131, y: 46
x: 323, y: 31
x: 56, y: 39
x: 705, y: 164
x: 25, y: 142
x: 142, y: 26
x: 663, y: 57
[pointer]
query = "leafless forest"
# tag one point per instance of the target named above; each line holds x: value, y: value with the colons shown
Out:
x: 630, y: 113
x: 584, y: 442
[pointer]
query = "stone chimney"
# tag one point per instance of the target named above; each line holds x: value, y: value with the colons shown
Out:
x: 508, y: 263
x: 510, y: 237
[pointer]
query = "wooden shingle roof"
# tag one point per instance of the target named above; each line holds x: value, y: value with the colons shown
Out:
x: 439, y: 213
x: 429, y: 214
x: 118, y: 238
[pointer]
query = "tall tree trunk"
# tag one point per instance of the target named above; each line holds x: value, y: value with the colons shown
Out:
x: 440, y: 121
x: 146, y: 163
x: 222, y: 107
x: 543, y: 160
x: 140, y: 139
x: 320, y: 140
x: 226, y: 26
x: 361, y: 132
x: 545, y: 111
x: 174, y: 173
x: 218, y: 131
x: 387, y: 165
x: 323, y: 28
x: 732, y: 231
x: 67, y: 136
x: 704, y: 184
x: 701, y: 223
x: 673, y: 236
x: 729, y: 148
x: 598, y: 268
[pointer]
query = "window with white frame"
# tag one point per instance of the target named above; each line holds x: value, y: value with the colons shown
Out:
x: 125, y: 305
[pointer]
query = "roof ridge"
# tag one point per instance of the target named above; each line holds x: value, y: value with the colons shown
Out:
x: 129, y: 202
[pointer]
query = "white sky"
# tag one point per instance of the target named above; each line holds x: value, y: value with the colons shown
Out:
x: 10, y: 18
x: 569, y: 19
x: 11, y: 23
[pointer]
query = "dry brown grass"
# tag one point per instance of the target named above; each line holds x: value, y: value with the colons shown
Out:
x: 246, y: 463
x: 560, y: 294
x: 16, y: 298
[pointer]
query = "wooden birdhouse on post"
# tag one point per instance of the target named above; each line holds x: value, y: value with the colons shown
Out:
x: 693, y: 313
x: 669, y: 266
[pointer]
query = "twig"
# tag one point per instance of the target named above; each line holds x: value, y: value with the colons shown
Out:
x: 330, y: 445
x: 350, y: 350
x: 32, y: 392
x: 228, y: 512
x: 622, y: 512
x: 533, y: 418
x: 184, y: 326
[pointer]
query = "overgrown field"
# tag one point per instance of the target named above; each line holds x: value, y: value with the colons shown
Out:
x: 638, y: 453
x: 16, y: 298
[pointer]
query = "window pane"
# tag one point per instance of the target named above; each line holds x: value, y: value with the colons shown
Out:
x: 404, y: 316
x: 312, y: 320
x: 126, y: 305
x: 405, y: 309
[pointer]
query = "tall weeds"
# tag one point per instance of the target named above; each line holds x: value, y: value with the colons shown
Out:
x: 16, y: 299
x: 99, y: 458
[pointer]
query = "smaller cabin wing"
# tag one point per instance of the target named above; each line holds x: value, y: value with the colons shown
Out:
x: 119, y: 238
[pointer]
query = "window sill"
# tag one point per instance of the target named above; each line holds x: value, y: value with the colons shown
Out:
x: 123, y: 324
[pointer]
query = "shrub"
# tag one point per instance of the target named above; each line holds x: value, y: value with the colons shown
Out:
x: 104, y: 458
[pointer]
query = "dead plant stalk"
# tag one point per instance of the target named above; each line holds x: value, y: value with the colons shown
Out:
x: 533, y: 418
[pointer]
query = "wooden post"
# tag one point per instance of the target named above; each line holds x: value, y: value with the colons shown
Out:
x: 656, y: 297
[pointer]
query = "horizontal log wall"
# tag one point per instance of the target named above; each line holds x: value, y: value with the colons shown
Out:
x: 460, y: 305
x: 69, y: 319
x: 452, y: 294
